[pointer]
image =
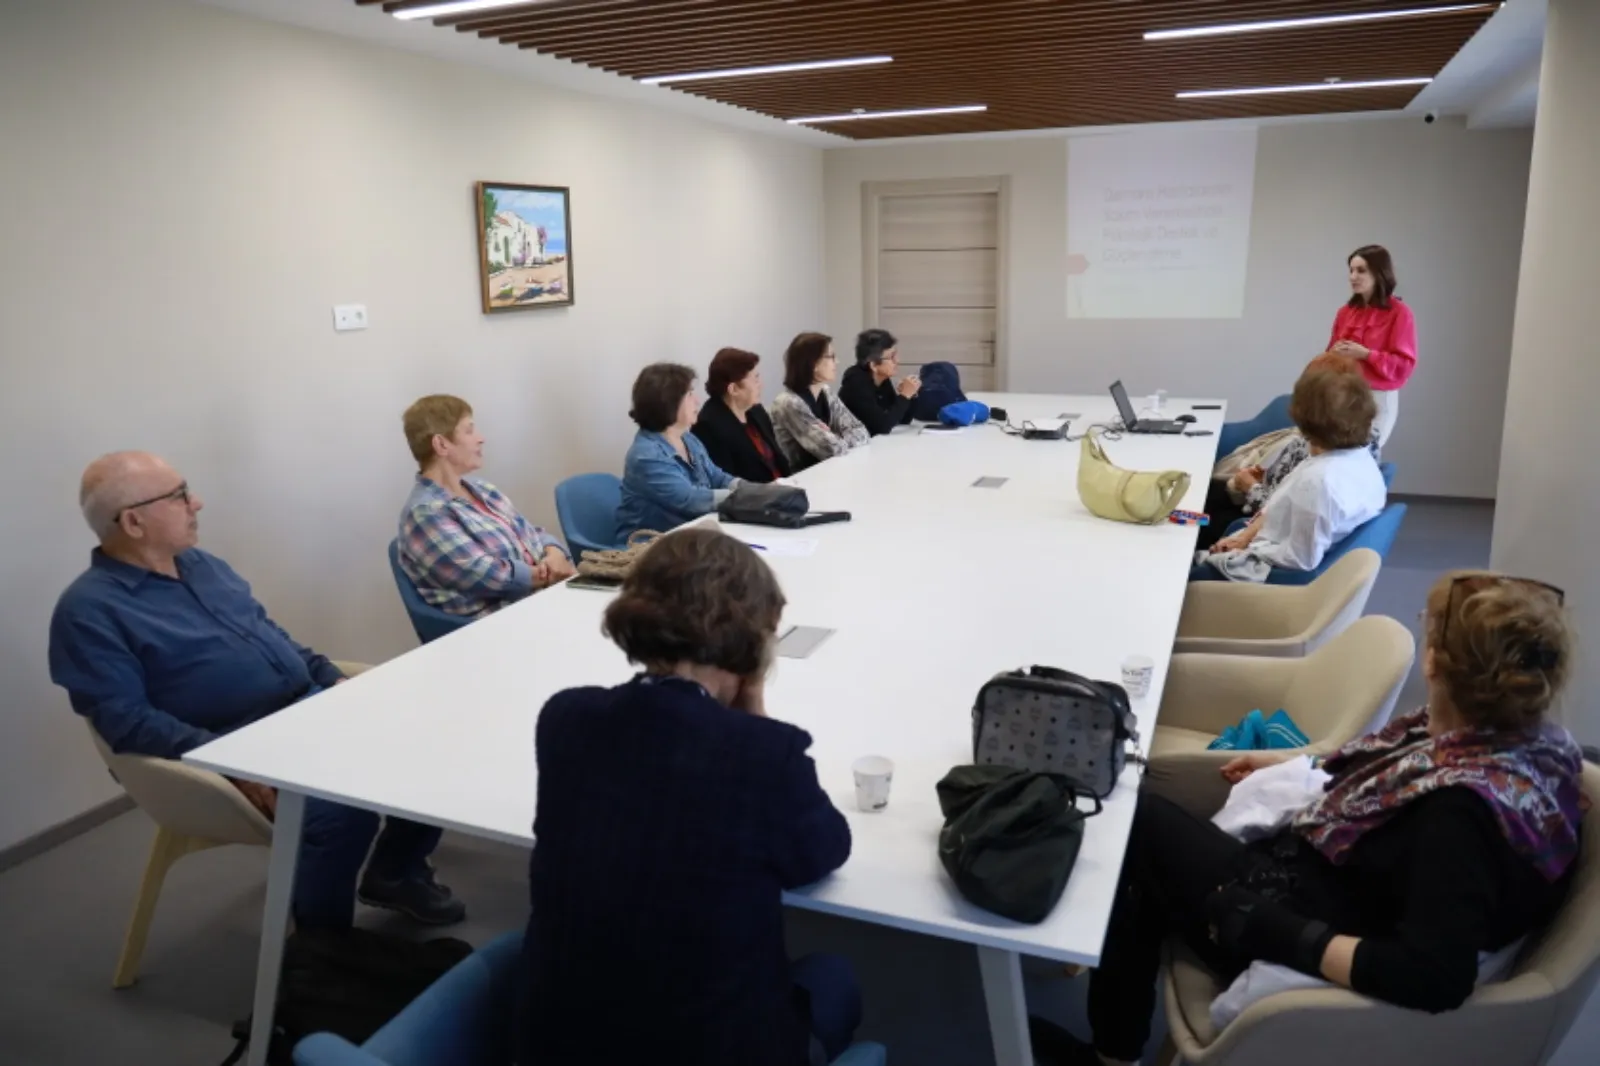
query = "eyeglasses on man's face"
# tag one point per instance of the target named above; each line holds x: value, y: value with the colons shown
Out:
x: 181, y: 494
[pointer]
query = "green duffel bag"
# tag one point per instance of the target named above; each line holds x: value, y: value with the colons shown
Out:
x: 1010, y: 837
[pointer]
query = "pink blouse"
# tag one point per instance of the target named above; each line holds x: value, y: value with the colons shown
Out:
x: 1390, y: 336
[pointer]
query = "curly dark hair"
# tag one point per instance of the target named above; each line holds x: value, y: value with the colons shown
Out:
x: 699, y: 596
x: 1333, y: 409
x: 657, y: 392
x: 1502, y: 646
x: 729, y: 367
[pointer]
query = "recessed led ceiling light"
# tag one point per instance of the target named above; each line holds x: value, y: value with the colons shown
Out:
x: 456, y: 7
x: 1313, y: 20
x: 914, y: 113
x: 1316, y: 87
x: 776, y: 68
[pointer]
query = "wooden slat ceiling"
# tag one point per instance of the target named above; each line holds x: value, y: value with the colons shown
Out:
x: 1035, y: 63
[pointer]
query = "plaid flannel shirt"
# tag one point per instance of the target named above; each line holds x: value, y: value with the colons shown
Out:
x: 461, y: 560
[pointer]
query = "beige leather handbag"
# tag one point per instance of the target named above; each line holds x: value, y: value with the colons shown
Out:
x: 1142, y: 497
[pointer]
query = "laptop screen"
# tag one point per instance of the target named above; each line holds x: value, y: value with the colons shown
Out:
x: 1124, y: 408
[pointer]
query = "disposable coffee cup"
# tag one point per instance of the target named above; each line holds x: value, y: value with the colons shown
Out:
x: 1137, y: 671
x: 874, y: 774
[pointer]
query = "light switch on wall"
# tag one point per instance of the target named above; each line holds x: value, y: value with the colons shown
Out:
x: 349, y: 316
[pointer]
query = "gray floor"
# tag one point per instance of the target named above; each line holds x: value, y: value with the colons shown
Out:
x: 64, y: 913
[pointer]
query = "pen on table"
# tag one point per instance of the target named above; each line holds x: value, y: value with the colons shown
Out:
x: 758, y: 547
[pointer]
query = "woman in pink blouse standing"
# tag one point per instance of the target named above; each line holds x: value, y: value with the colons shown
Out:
x: 1376, y: 328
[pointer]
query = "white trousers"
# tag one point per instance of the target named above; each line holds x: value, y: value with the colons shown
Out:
x: 1388, y: 411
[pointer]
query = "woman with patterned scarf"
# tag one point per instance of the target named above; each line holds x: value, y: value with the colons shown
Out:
x: 1451, y: 832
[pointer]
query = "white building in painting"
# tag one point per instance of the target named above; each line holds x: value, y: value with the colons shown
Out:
x: 512, y: 241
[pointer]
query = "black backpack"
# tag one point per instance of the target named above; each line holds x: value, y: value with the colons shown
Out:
x: 1010, y: 837
x: 349, y: 982
x: 941, y: 385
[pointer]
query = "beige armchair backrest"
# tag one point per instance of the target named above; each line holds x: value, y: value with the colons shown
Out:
x: 1372, y: 658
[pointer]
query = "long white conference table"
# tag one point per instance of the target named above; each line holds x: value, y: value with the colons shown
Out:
x: 933, y: 586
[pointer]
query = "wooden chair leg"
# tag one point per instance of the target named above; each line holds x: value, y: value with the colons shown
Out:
x: 167, y: 848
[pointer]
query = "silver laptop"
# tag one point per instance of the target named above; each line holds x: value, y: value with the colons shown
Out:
x: 1131, y: 421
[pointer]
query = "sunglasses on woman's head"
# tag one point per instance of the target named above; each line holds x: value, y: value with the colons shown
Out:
x: 1475, y: 583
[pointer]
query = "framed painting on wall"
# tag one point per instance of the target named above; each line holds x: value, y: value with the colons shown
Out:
x: 524, y: 246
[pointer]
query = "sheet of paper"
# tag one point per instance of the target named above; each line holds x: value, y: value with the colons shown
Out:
x: 800, y: 641
x: 799, y: 546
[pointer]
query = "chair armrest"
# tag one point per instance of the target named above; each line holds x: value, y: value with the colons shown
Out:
x: 863, y: 1055
x: 1239, y: 610
x: 325, y: 1049
x: 185, y: 799
x: 1506, y: 1023
x: 1191, y: 779
x: 1208, y: 693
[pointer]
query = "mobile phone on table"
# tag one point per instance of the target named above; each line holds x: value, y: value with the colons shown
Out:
x: 598, y: 584
x: 1205, y: 407
x: 1197, y: 433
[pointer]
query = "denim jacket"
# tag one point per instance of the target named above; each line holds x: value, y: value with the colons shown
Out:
x: 660, y: 491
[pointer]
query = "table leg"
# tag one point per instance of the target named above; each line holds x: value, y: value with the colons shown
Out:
x: 1008, y: 1006
x: 275, y: 920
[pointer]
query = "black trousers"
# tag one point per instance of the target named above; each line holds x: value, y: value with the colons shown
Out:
x: 1175, y: 860
x: 1224, y: 513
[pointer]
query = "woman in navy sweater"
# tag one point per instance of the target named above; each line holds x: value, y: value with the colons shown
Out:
x: 672, y: 814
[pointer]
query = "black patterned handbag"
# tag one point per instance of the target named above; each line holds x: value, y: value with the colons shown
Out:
x: 1056, y: 722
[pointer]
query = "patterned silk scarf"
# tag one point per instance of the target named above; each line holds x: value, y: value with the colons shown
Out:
x: 1531, y: 781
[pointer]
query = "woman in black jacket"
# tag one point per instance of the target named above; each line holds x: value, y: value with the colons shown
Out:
x: 733, y: 425
x: 1452, y: 831
x: 672, y: 815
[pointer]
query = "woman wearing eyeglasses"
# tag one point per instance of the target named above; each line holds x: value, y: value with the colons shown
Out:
x: 811, y: 425
x: 1452, y: 832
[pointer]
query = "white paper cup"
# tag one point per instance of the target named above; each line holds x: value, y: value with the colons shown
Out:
x: 874, y: 774
x: 1137, y: 671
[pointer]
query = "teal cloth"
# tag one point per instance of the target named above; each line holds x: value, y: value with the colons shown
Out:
x: 1257, y: 732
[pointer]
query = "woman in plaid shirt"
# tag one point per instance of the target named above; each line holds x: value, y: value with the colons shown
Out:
x: 462, y: 543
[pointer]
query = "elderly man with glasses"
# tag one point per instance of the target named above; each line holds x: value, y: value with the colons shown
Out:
x: 162, y: 647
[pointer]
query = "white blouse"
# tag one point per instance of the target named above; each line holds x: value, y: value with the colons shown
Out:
x: 1324, y: 500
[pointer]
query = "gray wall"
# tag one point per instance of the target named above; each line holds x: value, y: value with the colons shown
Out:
x: 1447, y: 202
x: 187, y: 194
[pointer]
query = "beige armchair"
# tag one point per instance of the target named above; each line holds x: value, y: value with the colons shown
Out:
x: 1334, y: 694
x: 1237, y: 618
x: 1517, y: 1022
x: 193, y: 809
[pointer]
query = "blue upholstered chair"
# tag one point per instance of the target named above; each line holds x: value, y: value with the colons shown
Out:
x: 1377, y: 533
x: 429, y: 622
x: 586, y: 505
x: 1272, y: 417
x: 467, y: 1018
x: 1387, y: 470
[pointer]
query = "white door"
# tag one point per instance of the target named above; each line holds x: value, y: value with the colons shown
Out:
x: 934, y: 274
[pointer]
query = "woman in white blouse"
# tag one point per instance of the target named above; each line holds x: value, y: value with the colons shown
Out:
x: 1327, y: 497
x: 810, y: 424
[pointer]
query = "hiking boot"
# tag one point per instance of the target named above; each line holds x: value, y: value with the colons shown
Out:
x: 419, y: 897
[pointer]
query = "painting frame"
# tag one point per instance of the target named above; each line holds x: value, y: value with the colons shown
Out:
x: 519, y: 266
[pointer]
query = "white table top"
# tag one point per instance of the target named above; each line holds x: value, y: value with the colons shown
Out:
x: 933, y: 587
